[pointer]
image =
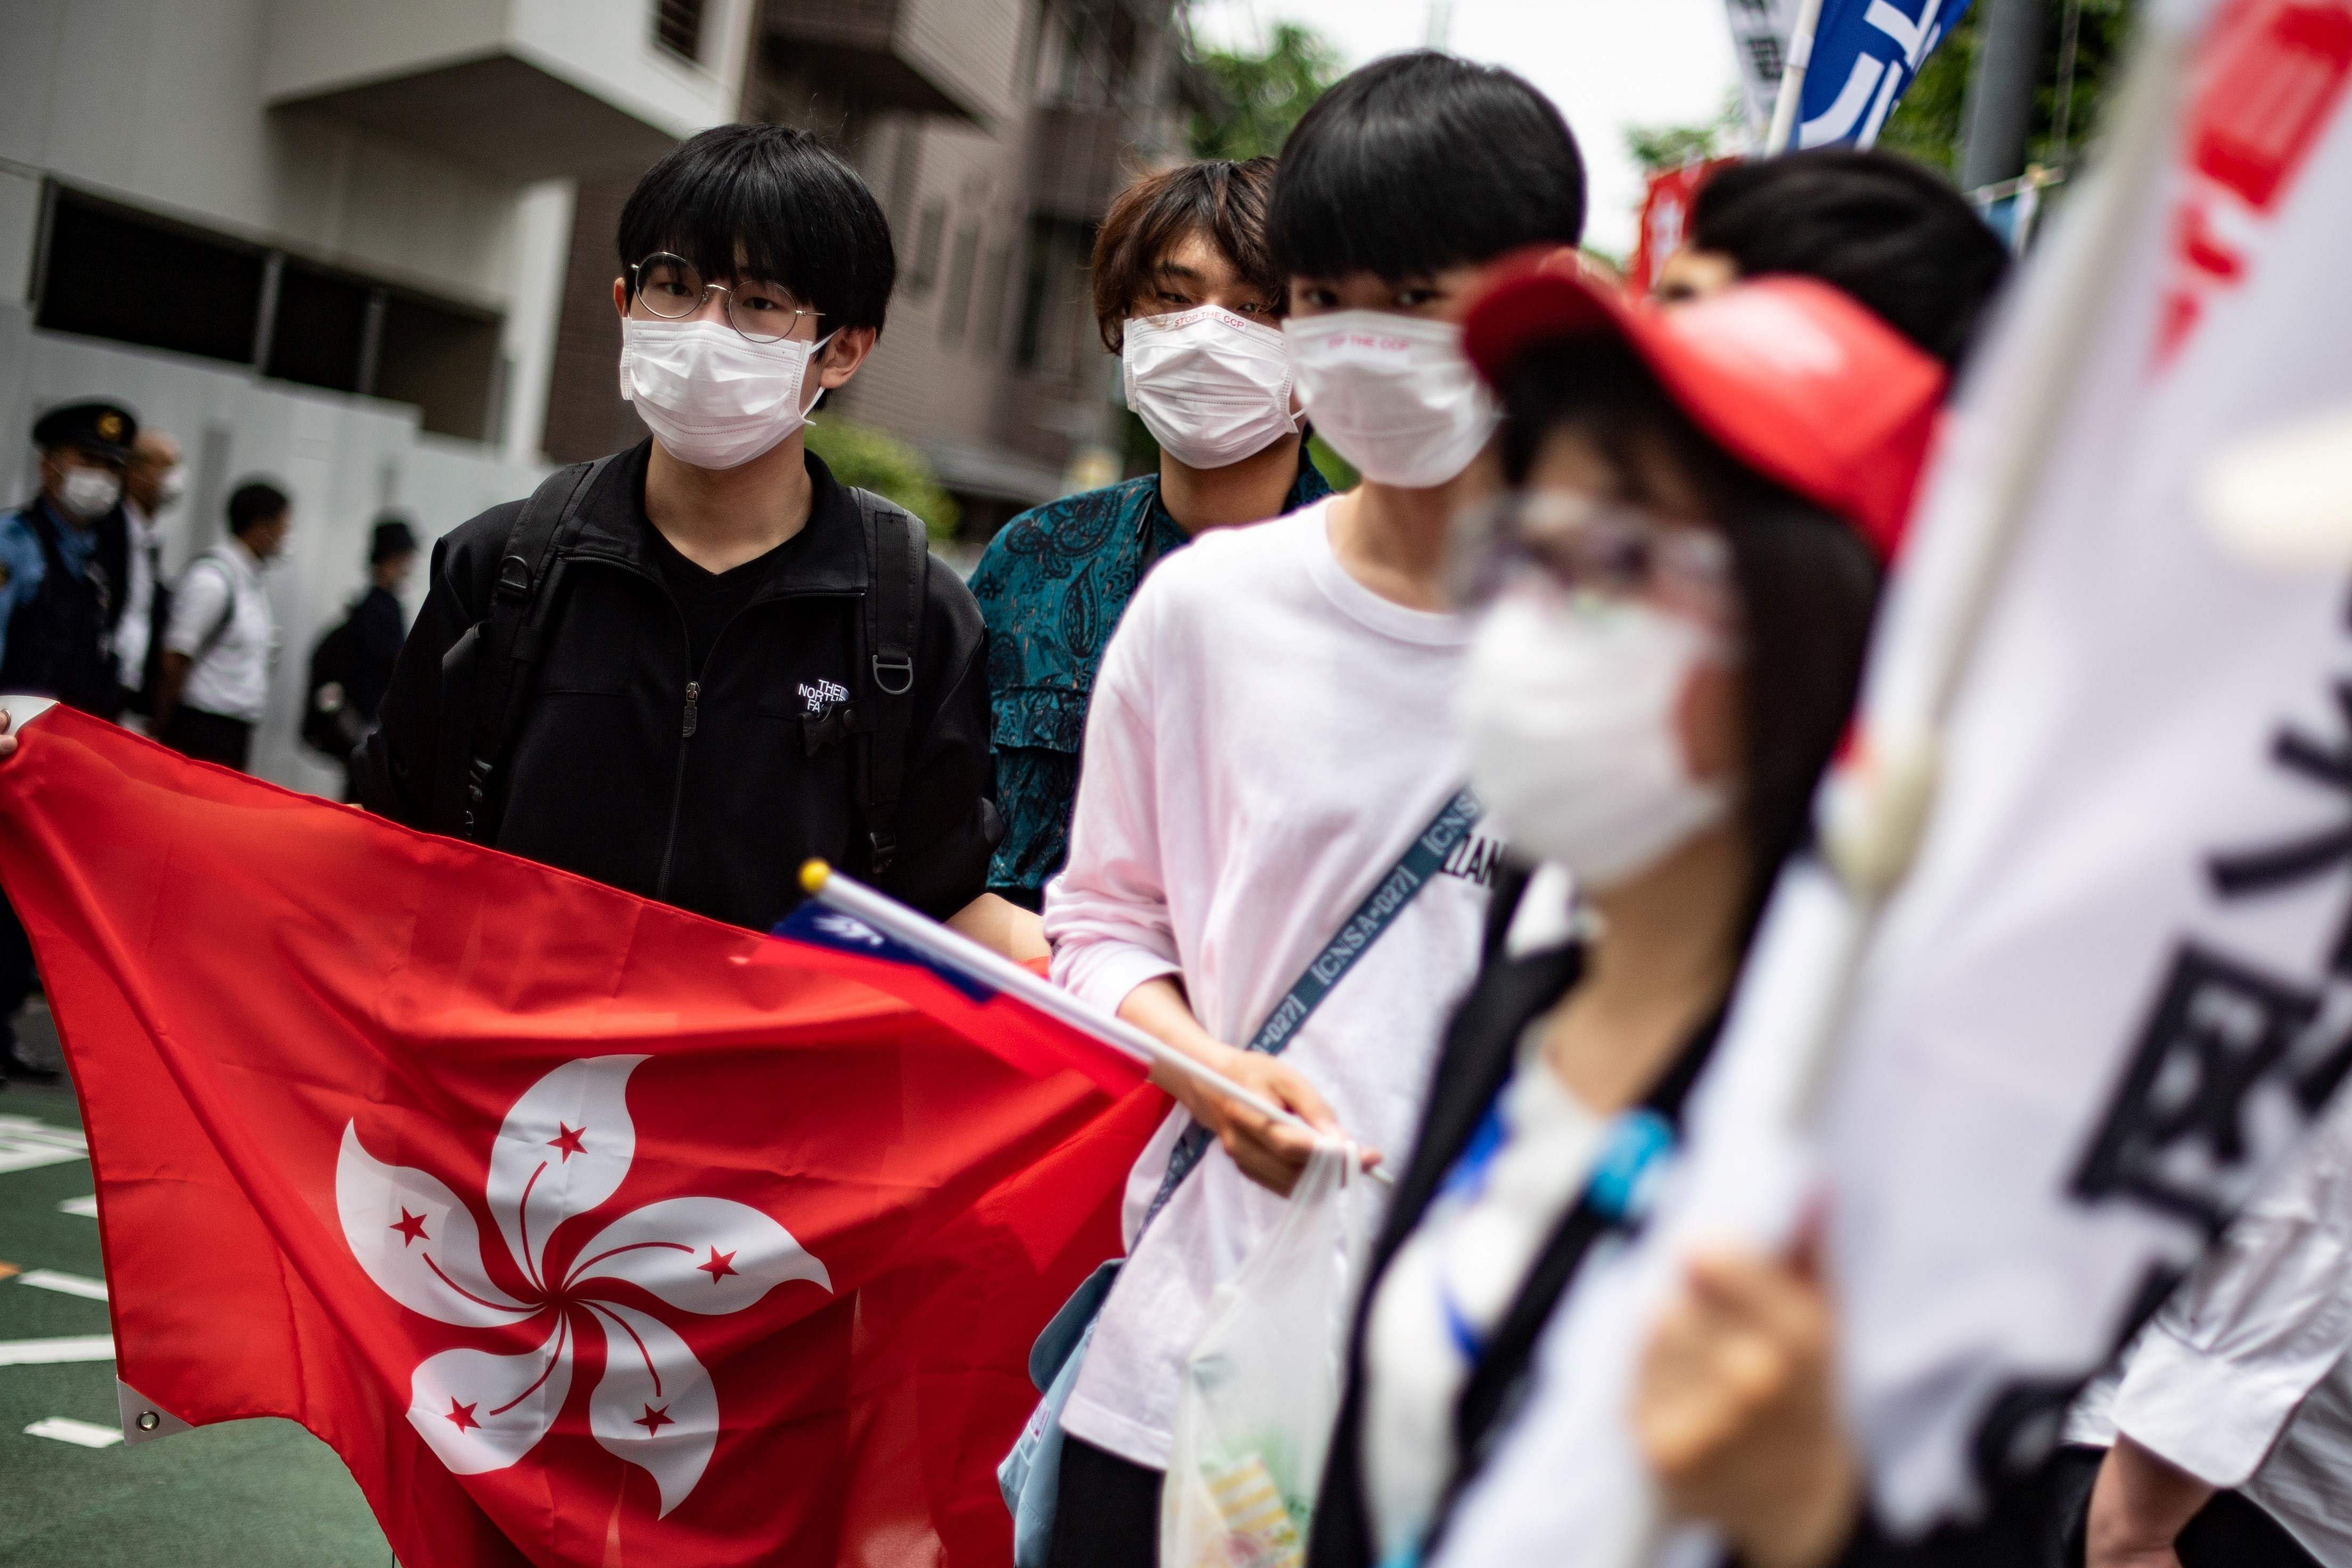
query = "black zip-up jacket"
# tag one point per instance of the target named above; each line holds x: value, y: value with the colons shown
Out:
x: 706, y: 789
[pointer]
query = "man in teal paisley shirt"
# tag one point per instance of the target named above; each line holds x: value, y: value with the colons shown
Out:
x: 1185, y: 294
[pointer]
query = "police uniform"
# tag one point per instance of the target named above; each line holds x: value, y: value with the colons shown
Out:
x: 61, y: 597
x: 60, y: 600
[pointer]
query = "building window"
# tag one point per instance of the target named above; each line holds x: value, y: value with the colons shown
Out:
x: 677, y: 27
x: 318, y: 332
x: 961, y: 263
x: 992, y: 279
x: 1054, y: 294
x: 444, y: 359
x: 928, y: 235
x: 112, y: 273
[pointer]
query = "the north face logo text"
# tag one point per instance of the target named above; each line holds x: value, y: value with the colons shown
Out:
x: 822, y: 694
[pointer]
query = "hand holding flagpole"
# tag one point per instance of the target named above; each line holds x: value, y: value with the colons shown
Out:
x: 953, y: 949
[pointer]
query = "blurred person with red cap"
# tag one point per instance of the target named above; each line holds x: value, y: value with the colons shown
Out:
x: 1674, y: 600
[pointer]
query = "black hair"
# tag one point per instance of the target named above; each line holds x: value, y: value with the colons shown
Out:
x: 1420, y: 161
x: 1807, y: 583
x: 769, y: 202
x: 394, y: 534
x: 1221, y: 201
x: 254, y: 502
x: 1892, y: 233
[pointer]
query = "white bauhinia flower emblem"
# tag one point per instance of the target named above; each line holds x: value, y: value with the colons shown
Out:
x: 563, y: 1148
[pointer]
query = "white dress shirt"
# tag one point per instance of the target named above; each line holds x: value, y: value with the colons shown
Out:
x: 2242, y: 1379
x: 220, y: 618
x: 133, y: 631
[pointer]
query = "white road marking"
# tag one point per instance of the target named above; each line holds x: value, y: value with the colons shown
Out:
x: 43, y: 1352
x: 25, y: 1143
x: 86, y: 1207
x: 80, y: 1285
x: 65, y: 1430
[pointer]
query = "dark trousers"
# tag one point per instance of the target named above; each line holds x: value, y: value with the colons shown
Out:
x: 16, y: 974
x: 208, y: 737
x: 2230, y: 1532
x: 1106, y: 1514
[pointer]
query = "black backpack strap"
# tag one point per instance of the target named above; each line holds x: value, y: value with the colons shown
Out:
x: 897, y: 552
x: 512, y: 629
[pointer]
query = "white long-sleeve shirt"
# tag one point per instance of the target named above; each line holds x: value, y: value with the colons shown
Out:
x: 1267, y: 737
x: 2242, y: 1379
x: 135, y: 631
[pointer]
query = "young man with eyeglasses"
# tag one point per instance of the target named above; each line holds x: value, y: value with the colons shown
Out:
x: 686, y: 668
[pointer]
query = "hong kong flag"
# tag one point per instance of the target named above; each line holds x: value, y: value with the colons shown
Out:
x: 587, y: 1231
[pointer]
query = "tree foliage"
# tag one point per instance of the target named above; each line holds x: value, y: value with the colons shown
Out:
x: 874, y: 460
x: 1661, y: 147
x: 1928, y: 123
x: 1252, y: 100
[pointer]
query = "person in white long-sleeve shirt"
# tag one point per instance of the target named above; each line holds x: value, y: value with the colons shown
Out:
x: 2242, y: 1383
x: 1271, y: 732
x: 152, y: 480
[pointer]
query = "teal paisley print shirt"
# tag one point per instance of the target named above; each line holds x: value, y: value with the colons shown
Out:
x: 1053, y: 584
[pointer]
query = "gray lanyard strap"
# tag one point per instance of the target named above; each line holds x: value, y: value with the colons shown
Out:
x: 1422, y: 860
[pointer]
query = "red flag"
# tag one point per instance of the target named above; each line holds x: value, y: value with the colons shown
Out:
x: 587, y: 1231
x: 1666, y: 218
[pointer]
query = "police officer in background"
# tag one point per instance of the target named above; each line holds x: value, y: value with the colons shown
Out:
x: 63, y: 557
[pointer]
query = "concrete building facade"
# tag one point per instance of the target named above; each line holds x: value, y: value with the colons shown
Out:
x: 323, y: 240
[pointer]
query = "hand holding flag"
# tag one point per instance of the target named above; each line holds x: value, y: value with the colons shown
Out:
x: 847, y: 916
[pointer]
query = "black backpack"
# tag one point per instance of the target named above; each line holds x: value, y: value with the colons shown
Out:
x: 330, y: 724
x: 488, y: 674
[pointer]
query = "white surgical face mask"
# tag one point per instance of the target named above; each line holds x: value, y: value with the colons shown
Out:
x: 1211, y: 387
x: 711, y: 396
x: 171, y: 487
x: 85, y: 493
x: 1394, y: 394
x: 1569, y: 703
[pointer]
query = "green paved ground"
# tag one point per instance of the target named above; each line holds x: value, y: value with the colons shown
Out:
x: 250, y: 1494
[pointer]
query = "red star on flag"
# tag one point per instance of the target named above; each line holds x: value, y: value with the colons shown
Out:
x: 463, y: 1414
x: 410, y: 1227
x: 722, y: 1264
x: 567, y: 1139
x: 655, y: 1418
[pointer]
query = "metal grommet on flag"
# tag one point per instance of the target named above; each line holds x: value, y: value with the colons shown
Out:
x: 147, y: 1420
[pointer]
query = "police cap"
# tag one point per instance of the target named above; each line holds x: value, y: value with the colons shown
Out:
x: 101, y: 429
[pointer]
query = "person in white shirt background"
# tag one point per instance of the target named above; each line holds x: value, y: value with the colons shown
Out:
x: 1272, y: 729
x: 2228, y: 1426
x: 222, y: 639
x: 152, y: 481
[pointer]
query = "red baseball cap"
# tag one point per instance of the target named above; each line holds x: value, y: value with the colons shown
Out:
x: 1791, y: 376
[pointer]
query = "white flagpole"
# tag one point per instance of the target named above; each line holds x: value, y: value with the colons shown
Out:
x: 957, y: 951
x: 1786, y: 106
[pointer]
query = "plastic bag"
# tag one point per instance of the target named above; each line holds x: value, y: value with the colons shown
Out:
x: 1262, y: 1386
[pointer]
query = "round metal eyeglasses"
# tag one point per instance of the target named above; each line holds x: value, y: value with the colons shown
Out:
x: 673, y: 289
x: 1588, y: 545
